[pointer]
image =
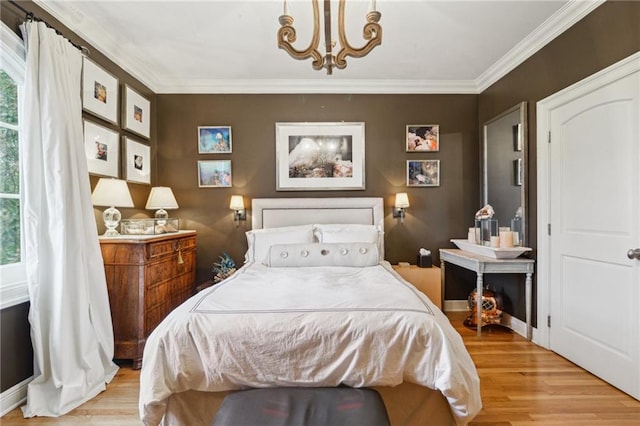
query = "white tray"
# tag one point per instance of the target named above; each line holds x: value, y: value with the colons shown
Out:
x: 496, y: 253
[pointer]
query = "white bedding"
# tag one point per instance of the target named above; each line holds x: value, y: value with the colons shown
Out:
x: 316, y: 326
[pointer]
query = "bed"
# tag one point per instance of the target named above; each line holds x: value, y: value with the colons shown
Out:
x: 314, y: 305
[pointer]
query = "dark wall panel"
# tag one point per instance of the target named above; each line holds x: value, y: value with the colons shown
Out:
x: 607, y: 35
x: 436, y: 214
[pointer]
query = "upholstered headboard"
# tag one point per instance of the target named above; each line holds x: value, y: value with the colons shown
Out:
x: 275, y: 212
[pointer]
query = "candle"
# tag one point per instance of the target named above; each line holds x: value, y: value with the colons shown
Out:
x: 506, y: 239
x: 495, y: 241
x: 372, y: 6
x: 286, y: 8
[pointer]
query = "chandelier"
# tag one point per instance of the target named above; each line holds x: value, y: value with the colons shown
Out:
x: 372, y: 31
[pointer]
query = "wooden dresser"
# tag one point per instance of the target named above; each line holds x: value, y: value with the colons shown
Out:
x: 147, y: 276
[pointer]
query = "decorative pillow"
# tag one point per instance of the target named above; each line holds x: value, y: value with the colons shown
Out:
x: 349, y: 233
x: 357, y: 255
x: 259, y: 240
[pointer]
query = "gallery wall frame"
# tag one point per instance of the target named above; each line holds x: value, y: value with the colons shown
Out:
x: 102, y: 149
x: 214, y: 174
x: 320, y: 156
x: 100, y: 92
x: 423, y: 173
x: 137, y: 161
x: 422, y: 138
x: 214, y: 140
x: 136, y: 113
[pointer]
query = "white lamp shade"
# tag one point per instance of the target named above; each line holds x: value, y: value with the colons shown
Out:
x: 237, y: 203
x: 112, y: 193
x: 402, y: 201
x: 161, y: 197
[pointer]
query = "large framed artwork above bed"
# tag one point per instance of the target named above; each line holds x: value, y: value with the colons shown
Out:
x: 314, y: 305
x: 320, y: 156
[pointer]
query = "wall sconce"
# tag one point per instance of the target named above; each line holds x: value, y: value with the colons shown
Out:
x: 239, y: 212
x: 113, y: 193
x: 161, y: 198
x: 402, y: 202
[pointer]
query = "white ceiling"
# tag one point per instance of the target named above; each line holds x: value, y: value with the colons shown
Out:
x: 230, y: 46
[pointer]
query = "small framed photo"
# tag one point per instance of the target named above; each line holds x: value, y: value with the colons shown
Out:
x: 137, y: 113
x: 214, y: 173
x: 423, y: 138
x: 137, y: 158
x: 423, y: 173
x: 517, y: 137
x: 517, y: 172
x: 214, y: 140
x: 102, y: 149
x: 99, y: 92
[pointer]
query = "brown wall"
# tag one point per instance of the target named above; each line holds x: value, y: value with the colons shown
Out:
x: 605, y: 36
x: 435, y: 215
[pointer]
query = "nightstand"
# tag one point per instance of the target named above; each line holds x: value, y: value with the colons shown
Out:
x: 427, y: 280
x: 147, y: 277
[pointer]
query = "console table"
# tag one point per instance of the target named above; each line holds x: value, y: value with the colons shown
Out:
x: 483, y: 264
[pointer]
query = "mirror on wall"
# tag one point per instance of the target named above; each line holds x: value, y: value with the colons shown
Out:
x: 504, y: 168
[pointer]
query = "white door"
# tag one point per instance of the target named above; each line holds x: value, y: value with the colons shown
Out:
x: 594, y: 216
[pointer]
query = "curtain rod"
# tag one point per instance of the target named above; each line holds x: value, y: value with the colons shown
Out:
x: 30, y: 16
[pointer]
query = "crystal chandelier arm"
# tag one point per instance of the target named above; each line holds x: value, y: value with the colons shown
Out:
x: 287, y: 36
x: 372, y: 31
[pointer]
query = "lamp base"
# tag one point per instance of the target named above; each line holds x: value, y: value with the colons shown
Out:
x: 111, y: 218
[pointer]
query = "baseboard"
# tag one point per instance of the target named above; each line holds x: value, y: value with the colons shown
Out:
x: 14, y: 397
x: 456, y: 305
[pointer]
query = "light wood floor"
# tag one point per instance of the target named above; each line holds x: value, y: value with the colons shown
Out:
x: 521, y: 383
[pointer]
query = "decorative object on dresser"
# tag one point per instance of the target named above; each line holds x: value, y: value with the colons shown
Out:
x: 113, y: 193
x: 147, y: 276
x: 427, y: 280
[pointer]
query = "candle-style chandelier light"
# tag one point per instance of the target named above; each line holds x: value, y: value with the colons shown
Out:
x: 372, y: 31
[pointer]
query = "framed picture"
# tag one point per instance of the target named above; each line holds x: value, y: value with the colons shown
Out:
x: 137, y: 113
x: 214, y: 140
x: 137, y: 160
x: 99, y: 92
x: 517, y: 139
x: 423, y: 138
x: 102, y: 149
x: 423, y: 172
x: 517, y: 172
x: 319, y: 156
x: 214, y: 173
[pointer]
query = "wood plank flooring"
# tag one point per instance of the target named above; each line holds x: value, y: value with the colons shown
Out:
x: 522, y: 384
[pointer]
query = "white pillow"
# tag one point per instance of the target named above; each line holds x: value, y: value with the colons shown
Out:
x: 357, y: 255
x: 349, y: 233
x: 259, y: 240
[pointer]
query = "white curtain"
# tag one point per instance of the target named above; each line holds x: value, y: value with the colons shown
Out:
x: 70, y: 320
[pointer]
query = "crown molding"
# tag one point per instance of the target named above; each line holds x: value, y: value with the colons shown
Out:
x: 558, y: 23
x: 90, y: 30
x: 320, y: 87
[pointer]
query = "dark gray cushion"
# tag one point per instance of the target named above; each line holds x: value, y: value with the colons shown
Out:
x: 339, y: 406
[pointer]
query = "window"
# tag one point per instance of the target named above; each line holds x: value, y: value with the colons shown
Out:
x: 13, y: 287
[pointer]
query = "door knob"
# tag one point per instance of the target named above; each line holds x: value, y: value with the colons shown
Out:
x: 634, y: 254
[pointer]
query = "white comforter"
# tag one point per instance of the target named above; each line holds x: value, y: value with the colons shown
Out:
x: 320, y: 326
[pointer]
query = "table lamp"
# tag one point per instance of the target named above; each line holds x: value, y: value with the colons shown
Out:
x: 113, y: 193
x: 161, y: 198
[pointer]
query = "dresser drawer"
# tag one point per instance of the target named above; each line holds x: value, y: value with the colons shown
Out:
x: 163, y: 248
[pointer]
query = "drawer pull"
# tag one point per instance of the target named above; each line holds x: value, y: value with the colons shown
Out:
x: 180, y: 260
